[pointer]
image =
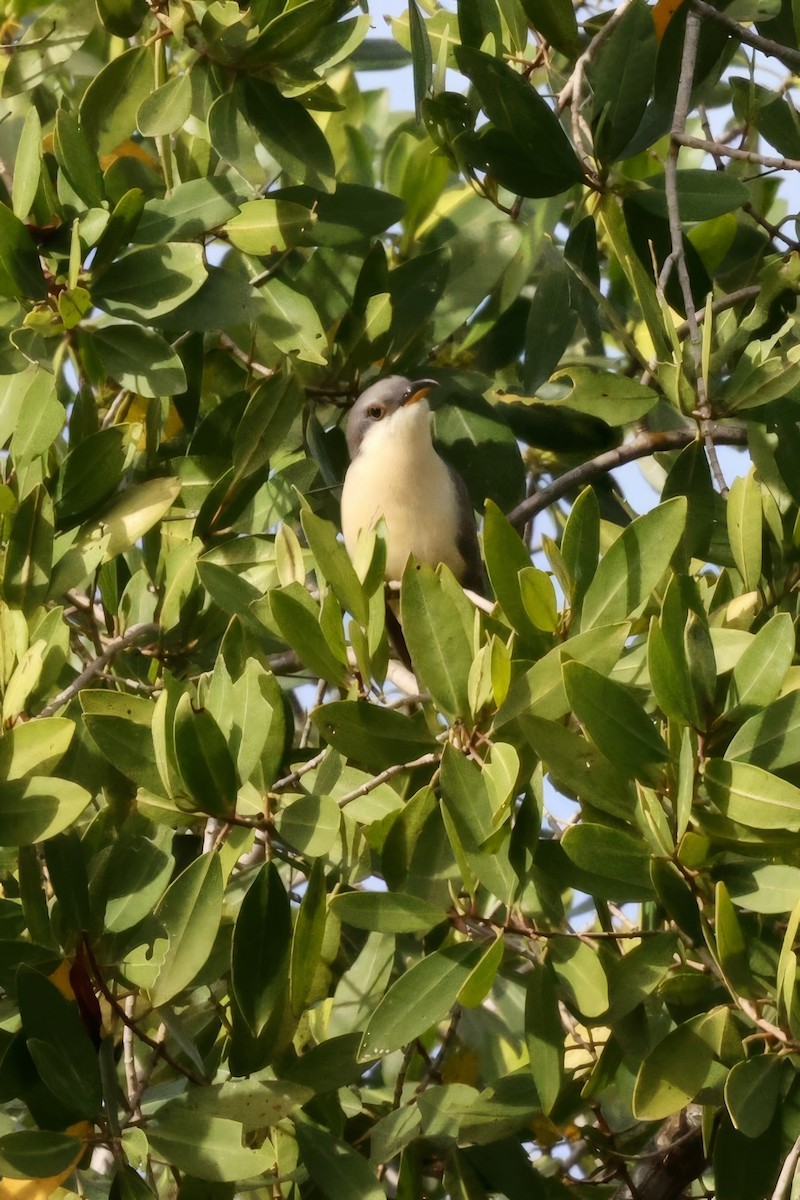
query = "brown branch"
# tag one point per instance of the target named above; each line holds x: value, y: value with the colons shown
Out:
x: 96, y: 666
x: 118, y: 1009
x: 462, y: 923
x: 790, y: 58
x: 725, y: 151
x: 643, y: 445
x: 677, y: 258
x: 424, y: 760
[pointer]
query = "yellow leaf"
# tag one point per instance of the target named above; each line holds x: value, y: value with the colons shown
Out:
x: 40, y: 1189
x: 663, y: 13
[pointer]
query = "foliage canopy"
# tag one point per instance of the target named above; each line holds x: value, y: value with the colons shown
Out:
x: 279, y: 917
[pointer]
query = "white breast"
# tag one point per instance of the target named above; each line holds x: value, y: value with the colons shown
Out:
x: 398, y: 475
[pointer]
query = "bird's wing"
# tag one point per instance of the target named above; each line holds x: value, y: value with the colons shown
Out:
x: 467, y: 538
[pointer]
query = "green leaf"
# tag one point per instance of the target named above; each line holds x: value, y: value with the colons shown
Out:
x: 621, y: 78
x: 41, y: 417
x: 269, y: 226
x: 148, y: 281
x: 190, y: 912
x: 293, y: 323
x: 519, y: 113
x: 167, y: 109
x: 119, y: 726
x: 137, y: 510
x: 752, y: 1092
x: 613, y: 398
x: 34, y: 745
x: 752, y: 796
x: 702, y: 195
x: 261, y: 947
x: 308, y: 938
x: 770, y: 738
x: 420, y: 998
x: 78, y: 159
x: 673, y: 1072
x: 289, y: 32
x: 421, y: 55
x: 310, y: 824
x: 59, y: 1044
x: 615, y: 722
x: 139, y: 359
x: 27, y: 165
x: 580, y: 970
x: 29, y: 553
x: 122, y: 224
x: 555, y: 20
x: 37, y: 808
x: 204, y: 760
x: 348, y: 216
x: 109, y: 105
x: 335, y: 1167
x: 386, y: 912
x: 676, y: 897
x: 731, y: 944
x: 206, y: 1147
x: 374, y: 736
x: 334, y: 563
x: 764, y: 889
x: 137, y: 875
x: 31, y: 1153
x: 549, y: 328
x: 20, y: 270
x: 610, y: 853
x: 744, y: 1166
x: 506, y: 556
x: 91, y: 472
x: 289, y: 132
x: 439, y: 647
x: 744, y: 527
x: 758, y: 676
x: 636, y: 975
x: 473, y: 437
x: 301, y: 628
x: 123, y: 18
x: 578, y: 769
x: 544, y: 1034
x: 632, y: 567
x: 192, y: 208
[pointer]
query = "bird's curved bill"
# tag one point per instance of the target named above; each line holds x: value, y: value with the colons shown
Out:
x: 420, y: 389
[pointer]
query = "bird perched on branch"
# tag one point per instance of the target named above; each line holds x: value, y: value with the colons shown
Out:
x: 395, y: 473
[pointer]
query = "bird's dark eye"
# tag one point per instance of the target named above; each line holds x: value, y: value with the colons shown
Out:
x: 376, y: 411
x: 406, y: 395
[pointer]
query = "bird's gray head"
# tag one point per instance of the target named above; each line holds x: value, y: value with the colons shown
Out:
x: 380, y: 401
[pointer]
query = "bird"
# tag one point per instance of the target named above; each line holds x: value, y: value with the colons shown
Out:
x: 396, y: 473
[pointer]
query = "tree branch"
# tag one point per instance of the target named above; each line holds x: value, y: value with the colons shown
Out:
x: 641, y: 446
x: 790, y: 58
x: 96, y: 666
x: 691, y: 42
x: 425, y: 760
x: 726, y: 151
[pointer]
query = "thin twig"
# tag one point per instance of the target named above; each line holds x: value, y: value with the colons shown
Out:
x: 131, y: 1077
x: 425, y: 760
x: 115, y: 1005
x: 682, y: 102
x: 643, y: 445
x: 96, y: 666
x: 726, y: 151
x: 293, y: 778
x: 730, y: 300
x: 786, y: 1177
x: 789, y: 57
